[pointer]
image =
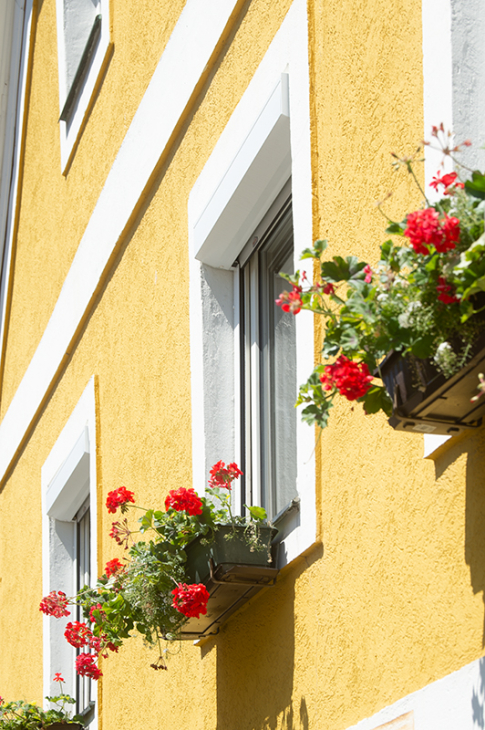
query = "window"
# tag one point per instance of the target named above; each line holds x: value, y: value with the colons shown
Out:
x: 268, y: 366
x: 247, y: 356
x: 82, y: 28
x: 83, y: 44
x: 69, y: 543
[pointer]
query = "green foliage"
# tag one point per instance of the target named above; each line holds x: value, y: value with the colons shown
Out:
x: 22, y: 715
x: 137, y: 598
x: 396, y: 305
x: 476, y: 186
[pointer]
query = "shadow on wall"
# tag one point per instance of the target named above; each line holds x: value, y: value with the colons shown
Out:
x: 473, y: 446
x: 475, y: 514
x: 255, y: 663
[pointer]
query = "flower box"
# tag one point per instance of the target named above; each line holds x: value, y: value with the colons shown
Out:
x: 427, y: 402
x: 63, y: 725
x: 232, y: 571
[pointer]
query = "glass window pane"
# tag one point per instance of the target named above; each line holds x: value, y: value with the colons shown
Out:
x: 269, y: 372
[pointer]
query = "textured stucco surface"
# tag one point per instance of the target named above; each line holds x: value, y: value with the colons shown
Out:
x: 393, y: 597
x: 55, y: 209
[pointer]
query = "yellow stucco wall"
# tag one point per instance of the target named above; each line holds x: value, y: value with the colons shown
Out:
x: 56, y: 208
x: 393, y: 597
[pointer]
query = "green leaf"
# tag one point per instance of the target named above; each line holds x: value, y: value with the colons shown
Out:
x: 340, y: 269
x: 476, y: 186
x: 349, y: 339
x: 377, y: 399
x: 315, y: 252
x: 423, y: 347
x: 257, y: 513
x: 396, y: 228
x: 320, y: 245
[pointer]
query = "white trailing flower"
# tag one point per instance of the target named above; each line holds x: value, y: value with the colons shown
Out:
x: 445, y: 358
x: 406, y: 319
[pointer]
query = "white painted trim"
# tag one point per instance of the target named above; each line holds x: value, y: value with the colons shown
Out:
x: 71, y: 131
x: 455, y: 702
x: 438, y: 108
x: 437, y: 78
x: 65, y: 461
x: 287, y: 53
x: 249, y: 185
x: 60, y: 503
x: 432, y: 443
x: 199, y: 28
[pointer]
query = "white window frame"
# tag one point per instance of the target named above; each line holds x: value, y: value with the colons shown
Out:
x: 68, y: 478
x: 71, y: 130
x: 252, y: 147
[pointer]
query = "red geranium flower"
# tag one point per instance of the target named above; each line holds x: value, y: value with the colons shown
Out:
x: 119, y: 498
x: 78, y: 634
x: 290, y: 301
x: 86, y: 666
x: 191, y: 600
x: 184, y: 500
x: 351, y: 379
x: 222, y: 477
x: 451, y: 234
x: 447, y: 181
x: 328, y: 288
x: 55, y: 604
x: 446, y: 292
x: 58, y: 677
x: 424, y: 229
x: 368, y: 274
x: 113, y: 567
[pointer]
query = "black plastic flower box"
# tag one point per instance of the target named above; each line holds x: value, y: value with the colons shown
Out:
x: 232, y: 570
x: 425, y: 401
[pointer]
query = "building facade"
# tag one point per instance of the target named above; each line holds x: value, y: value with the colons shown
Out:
x: 160, y: 164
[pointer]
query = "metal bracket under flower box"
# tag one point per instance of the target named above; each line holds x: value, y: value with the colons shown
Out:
x: 232, y: 571
x: 426, y: 402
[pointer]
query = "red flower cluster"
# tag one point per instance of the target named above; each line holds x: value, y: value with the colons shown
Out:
x: 424, y: 228
x: 446, y: 292
x: 113, y: 567
x: 78, y: 634
x: 449, y: 182
x: 119, y: 498
x: 184, y: 500
x: 58, y: 677
x: 55, y: 604
x: 191, y: 600
x: 351, y: 379
x: 86, y: 667
x: 222, y: 476
x: 290, y: 301
x: 368, y: 274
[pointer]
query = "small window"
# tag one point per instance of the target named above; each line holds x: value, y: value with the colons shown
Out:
x: 82, y: 28
x: 83, y: 42
x: 268, y: 366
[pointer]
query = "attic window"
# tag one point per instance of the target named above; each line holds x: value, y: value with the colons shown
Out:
x: 83, y: 43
